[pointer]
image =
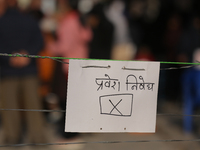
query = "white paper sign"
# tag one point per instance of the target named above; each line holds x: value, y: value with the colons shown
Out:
x: 112, y: 96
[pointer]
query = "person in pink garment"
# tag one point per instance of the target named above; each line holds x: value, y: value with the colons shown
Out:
x: 73, y: 36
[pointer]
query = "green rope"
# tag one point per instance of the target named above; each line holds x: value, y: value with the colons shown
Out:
x: 64, y: 58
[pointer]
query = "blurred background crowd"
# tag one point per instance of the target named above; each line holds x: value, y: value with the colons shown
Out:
x: 147, y: 30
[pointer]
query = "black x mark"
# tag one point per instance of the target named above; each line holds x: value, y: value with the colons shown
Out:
x: 115, y: 107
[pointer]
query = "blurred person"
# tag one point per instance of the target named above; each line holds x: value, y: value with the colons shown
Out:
x: 62, y: 9
x: 191, y: 93
x: 172, y: 36
x: 185, y: 8
x: 19, y: 81
x: 145, y: 9
x: 152, y: 10
x: 123, y: 46
x: 34, y: 10
x: 73, y: 37
x: 189, y: 40
x: 2, y: 7
x: 103, y: 32
x: 2, y: 11
x: 189, y: 52
x: 46, y: 69
x: 72, y: 42
x: 136, y: 12
x: 146, y: 23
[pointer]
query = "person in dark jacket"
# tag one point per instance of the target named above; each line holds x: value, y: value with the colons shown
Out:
x: 103, y: 30
x: 19, y: 82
